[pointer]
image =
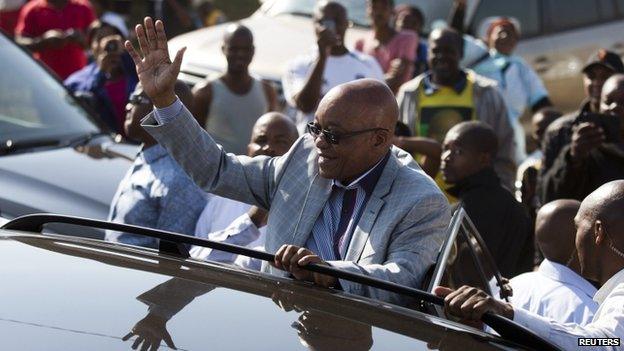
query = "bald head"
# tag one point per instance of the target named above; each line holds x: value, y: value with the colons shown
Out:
x: 607, y: 204
x: 237, y: 30
x: 449, y: 35
x: 616, y: 81
x: 476, y: 136
x: 367, y: 103
x: 273, y: 134
x: 361, y: 116
x: 555, y: 231
x: 335, y: 8
x: 600, y: 232
x: 279, y: 122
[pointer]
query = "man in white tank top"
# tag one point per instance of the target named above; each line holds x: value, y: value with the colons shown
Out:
x: 228, y: 106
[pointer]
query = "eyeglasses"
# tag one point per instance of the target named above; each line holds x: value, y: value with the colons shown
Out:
x: 334, y: 138
x: 139, y: 99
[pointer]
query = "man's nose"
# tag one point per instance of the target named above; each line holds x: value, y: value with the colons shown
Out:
x: 320, y: 141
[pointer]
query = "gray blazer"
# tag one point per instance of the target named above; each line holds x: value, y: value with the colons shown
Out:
x: 397, y: 237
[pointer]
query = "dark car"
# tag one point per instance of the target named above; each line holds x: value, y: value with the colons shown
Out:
x: 69, y: 293
x: 54, y: 156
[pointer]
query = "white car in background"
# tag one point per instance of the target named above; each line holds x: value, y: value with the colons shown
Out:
x: 557, y: 36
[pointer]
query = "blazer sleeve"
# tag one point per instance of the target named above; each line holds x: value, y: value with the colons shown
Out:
x: 413, y: 248
x: 241, y: 178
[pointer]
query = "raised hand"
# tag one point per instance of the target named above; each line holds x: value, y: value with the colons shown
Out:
x: 156, y: 72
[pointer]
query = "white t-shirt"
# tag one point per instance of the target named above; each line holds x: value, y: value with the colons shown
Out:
x: 338, y: 70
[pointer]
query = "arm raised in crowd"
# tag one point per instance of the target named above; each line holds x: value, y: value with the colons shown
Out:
x: 241, y: 178
x: 308, y: 97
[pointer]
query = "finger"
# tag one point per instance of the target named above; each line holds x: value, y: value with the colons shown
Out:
x: 161, y: 36
x: 174, y: 69
x: 294, y: 260
x: 146, y: 345
x: 308, y: 259
x: 168, y: 340
x: 467, y: 308
x: 459, y: 299
x: 480, y: 308
x: 150, y: 32
x: 133, y: 54
x: 442, y: 291
x: 137, y: 342
x: 288, y: 253
x: 143, y: 45
x: 278, y: 257
x: 127, y: 336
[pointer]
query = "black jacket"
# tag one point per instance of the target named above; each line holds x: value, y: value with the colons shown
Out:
x: 502, y: 221
x: 560, y: 178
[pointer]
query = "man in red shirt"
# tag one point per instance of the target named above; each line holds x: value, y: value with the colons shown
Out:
x: 54, y: 31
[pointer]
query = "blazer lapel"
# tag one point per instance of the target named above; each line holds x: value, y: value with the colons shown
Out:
x: 371, y: 211
x: 315, y: 200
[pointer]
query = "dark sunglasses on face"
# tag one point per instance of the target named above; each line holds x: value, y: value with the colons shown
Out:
x: 334, y: 138
x: 139, y: 99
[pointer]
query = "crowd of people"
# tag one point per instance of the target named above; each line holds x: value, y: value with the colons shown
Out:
x: 386, y: 139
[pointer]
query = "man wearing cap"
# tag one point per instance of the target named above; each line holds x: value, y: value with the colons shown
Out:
x: 578, y: 156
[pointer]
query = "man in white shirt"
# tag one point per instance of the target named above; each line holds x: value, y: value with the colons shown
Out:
x: 236, y: 222
x: 600, y: 242
x: 309, y: 77
x: 556, y: 290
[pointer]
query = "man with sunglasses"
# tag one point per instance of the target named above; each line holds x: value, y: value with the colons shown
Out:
x: 155, y: 193
x: 341, y: 196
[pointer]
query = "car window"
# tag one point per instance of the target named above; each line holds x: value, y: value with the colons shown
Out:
x: 464, y: 259
x: 526, y: 12
x: 569, y: 14
x: 356, y: 9
x: 33, y: 105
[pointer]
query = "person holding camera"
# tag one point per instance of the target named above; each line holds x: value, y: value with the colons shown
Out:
x: 309, y: 77
x: 584, y: 150
x: 109, y: 80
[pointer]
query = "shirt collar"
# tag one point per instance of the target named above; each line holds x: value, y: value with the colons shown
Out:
x: 611, y: 284
x: 431, y: 88
x: 565, y: 275
x: 153, y: 153
x: 368, y: 180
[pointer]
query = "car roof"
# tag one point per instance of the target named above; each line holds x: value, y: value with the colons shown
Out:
x: 83, y: 293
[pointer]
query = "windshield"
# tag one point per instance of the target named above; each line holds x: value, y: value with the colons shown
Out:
x: 34, y: 108
x: 432, y: 9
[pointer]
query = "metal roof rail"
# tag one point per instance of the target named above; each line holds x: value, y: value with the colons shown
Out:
x: 174, y: 244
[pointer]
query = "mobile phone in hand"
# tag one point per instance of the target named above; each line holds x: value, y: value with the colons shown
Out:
x: 329, y: 25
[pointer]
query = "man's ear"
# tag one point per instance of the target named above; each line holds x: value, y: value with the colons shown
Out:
x: 382, y: 137
x: 599, y: 232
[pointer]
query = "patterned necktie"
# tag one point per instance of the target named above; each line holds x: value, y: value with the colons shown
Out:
x: 348, y: 205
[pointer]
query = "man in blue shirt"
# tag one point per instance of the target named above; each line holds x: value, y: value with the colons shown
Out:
x: 155, y: 193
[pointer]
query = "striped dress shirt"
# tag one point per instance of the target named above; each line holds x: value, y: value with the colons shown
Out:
x: 325, y: 229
